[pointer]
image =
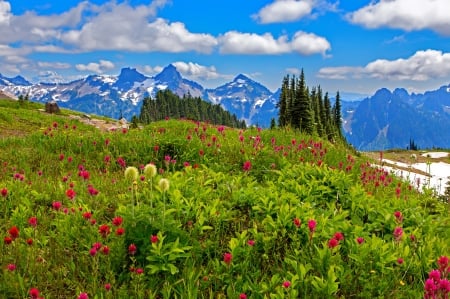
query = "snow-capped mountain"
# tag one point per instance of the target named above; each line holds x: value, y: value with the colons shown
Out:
x: 246, y: 98
x: 122, y: 95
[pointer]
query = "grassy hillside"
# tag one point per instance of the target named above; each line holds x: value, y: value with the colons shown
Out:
x: 180, y: 209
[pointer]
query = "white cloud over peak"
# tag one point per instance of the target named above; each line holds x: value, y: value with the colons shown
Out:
x: 408, y: 15
x: 422, y: 66
x: 197, y: 71
x: 96, y: 67
x: 234, y: 42
x: 282, y: 11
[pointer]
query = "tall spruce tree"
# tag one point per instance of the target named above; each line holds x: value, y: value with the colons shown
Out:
x: 337, y: 114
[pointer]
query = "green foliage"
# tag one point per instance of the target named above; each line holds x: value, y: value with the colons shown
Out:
x: 234, y: 220
x: 309, y: 112
x: 168, y: 105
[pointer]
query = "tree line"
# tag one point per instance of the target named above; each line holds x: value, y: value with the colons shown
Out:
x: 309, y: 111
x: 167, y: 104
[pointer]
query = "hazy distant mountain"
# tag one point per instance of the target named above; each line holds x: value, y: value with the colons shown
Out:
x: 391, y: 119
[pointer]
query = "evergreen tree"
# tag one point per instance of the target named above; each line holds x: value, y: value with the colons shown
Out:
x: 337, y: 114
x: 283, y: 102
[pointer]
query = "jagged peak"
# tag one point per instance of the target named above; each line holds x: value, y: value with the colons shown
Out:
x: 168, y: 74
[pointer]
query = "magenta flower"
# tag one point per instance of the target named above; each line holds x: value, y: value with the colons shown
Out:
x: 132, y: 249
x: 247, y: 166
x: 332, y: 243
x: 398, y: 233
x: 286, y: 284
x: 83, y: 296
x: 154, y: 239
x: 227, y: 258
x: 297, y: 222
x: 312, y: 225
x: 11, y: 267
x: 360, y: 240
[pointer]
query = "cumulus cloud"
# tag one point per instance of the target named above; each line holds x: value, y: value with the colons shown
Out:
x: 408, y: 15
x: 234, y: 42
x: 282, y: 11
x: 422, y: 66
x: 100, y: 67
x: 5, y: 12
x: 123, y: 27
x: 53, y: 65
x: 197, y: 71
x: 309, y: 43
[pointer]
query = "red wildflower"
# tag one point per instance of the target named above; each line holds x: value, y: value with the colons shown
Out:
x: 93, y: 251
x: 247, y: 166
x: 339, y: 236
x: 107, y: 287
x: 297, y: 222
x: 286, y: 284
x: 442, y: 263
x: 11, y: 267
x: 398, y: 233
x: 4, y: 192
x: 360, y: 240
x: 312, y: 225
x: 56, y: 205
x: 227, y: 258
x: 117, y: 221
x: 400, y: 261
x: 132, y: 249
x: 30, y: 241
x: 34, y: 293
x: 120, y: 231
x: 154, y: 239
x: 14, y: 232
x: 32, y: 221
x: 242, y: 296
x: 139, y: 271
x: 83, y: 296
x: 104, y: 230
x: 87, y: 215
x: 7, y: 240
x: 105, y: 250
x: 333, y: 243
x: 398, y: 216
x: 251, y: 243
x: 71, y: 194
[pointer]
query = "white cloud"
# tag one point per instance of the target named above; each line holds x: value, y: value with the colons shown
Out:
x: 132, y: 32
x: 422, y: 66
x: 53, y: 65
x: 293, y: 71
x: 197, y: 71
x: 234, y: 42
x: 100, y: 67
x: 49, y: 77
x: 309, y: 43
x: 282, y: 11
x: 408, y: 15
x: 5, y: 13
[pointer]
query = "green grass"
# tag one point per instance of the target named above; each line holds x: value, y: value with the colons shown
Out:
x: 212, y: 208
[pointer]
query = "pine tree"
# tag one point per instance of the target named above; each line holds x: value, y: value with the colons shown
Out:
x: 337, y: 114
x: 283, y: 102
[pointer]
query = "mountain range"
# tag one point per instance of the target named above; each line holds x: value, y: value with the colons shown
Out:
x: 381, y: 121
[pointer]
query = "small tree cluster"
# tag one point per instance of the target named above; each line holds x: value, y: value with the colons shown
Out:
x: 309, y: 111
x: 167, y: 104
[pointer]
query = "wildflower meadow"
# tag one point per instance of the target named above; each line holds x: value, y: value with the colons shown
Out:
x: 186, y: 209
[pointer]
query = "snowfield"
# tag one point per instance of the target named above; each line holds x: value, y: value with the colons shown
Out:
x: 439, y: 172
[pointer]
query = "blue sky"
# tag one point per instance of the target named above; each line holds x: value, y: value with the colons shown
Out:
x: 349, y: 45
